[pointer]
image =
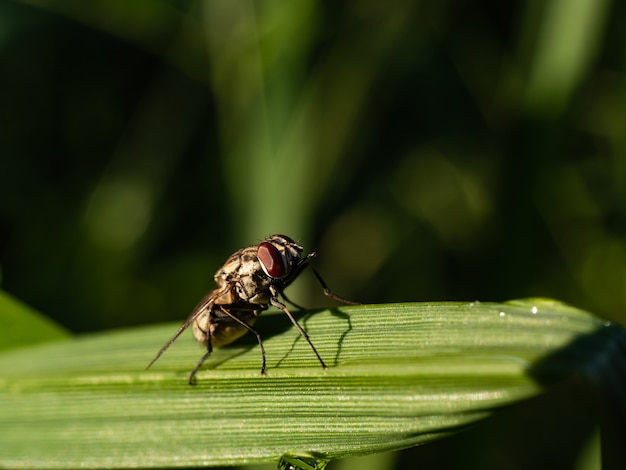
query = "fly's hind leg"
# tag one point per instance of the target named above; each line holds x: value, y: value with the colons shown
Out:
x: 209, y: 347
x: 191, y: 380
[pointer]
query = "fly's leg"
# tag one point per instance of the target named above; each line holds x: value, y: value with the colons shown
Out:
x: 191, y: 381
x: 327, y: 291
x: 251, y: 330
x: 208, y: 353
x: 306, y: 262
x: 209, y: 347
x: 276, y: 303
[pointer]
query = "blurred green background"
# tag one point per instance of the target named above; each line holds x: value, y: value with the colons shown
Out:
x: 425, y: 150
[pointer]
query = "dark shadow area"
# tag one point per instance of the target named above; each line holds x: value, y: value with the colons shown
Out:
x: 547, y: 432
x: 344, y: 316
x: 598, y: 361
x: 587, y: 391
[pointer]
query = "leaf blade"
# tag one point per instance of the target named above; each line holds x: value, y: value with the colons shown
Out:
x: 20, y: 325
x: 399, y: 375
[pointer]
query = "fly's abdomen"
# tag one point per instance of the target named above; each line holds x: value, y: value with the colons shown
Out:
x: 222, y: 328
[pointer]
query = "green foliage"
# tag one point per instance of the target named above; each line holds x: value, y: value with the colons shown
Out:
x: 20, y: 325
x: 399, y: 375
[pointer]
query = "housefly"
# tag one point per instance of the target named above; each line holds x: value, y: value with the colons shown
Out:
x: 250, y: 281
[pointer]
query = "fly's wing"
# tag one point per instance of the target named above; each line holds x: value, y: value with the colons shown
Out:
x: 205, y: 304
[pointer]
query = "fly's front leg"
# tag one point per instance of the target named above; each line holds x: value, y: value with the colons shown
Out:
x: 306, y: 262
x: 327, y: 291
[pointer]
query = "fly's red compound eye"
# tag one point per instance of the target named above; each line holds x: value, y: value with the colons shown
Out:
x: 272, y: 261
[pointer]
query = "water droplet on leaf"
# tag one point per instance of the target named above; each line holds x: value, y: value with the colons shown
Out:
x: 301, y: 462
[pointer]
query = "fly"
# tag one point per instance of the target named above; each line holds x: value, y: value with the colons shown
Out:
x: 251, y: 280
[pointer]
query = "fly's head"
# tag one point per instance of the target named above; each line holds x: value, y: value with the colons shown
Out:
x: 281, y: 260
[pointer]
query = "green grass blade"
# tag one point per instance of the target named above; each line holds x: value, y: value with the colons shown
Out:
x: 20, y: 325
x: 398, y: 375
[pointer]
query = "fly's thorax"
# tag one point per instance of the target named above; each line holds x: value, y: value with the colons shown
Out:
x: 240, y: 264
x: 256, y: 273
x: 244, y: 274
x: 254, y: 289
